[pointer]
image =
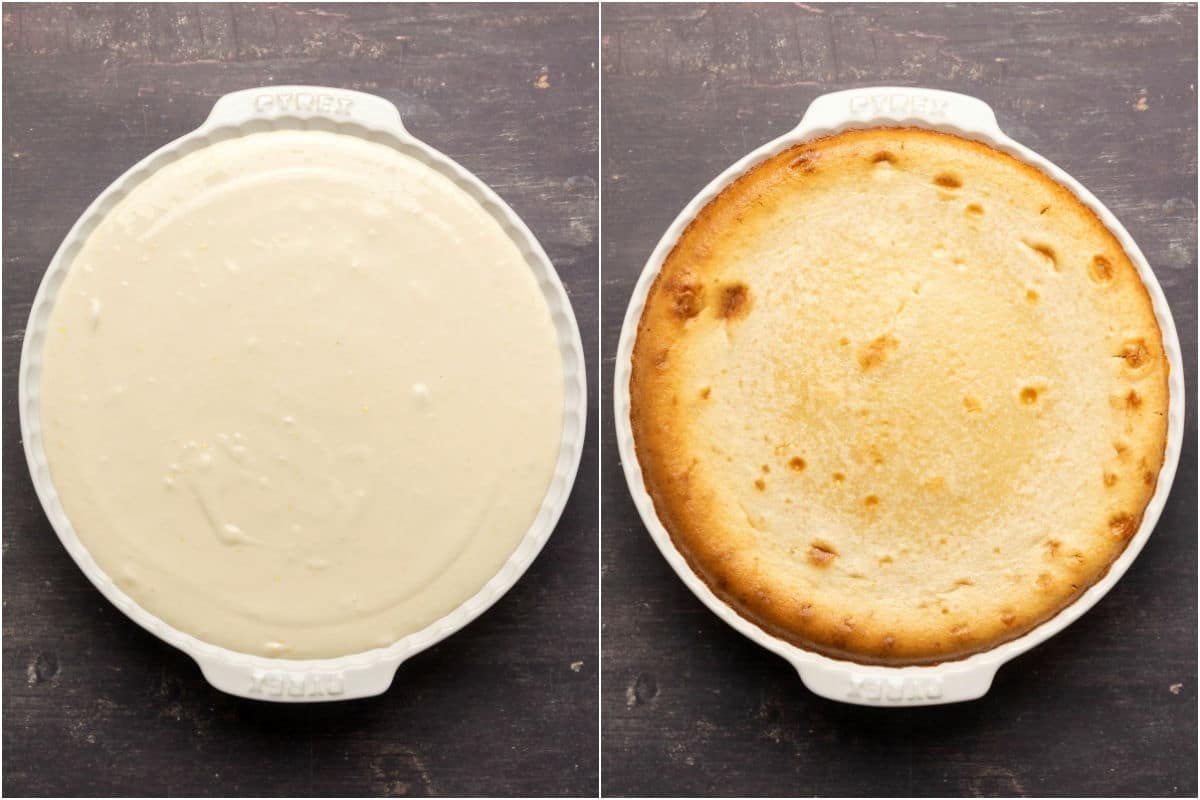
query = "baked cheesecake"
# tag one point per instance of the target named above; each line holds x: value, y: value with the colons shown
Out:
x: 898, y: 397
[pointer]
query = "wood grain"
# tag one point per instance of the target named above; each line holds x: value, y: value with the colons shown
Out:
x: 1108, y: 706
x: 94, y: 705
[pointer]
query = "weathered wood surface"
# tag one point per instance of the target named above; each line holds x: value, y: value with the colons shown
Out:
x: 1107, y: 707
x: 92, y: 704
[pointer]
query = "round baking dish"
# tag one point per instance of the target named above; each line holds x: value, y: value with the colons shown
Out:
x: 847, y: 681
x: 372, y: 118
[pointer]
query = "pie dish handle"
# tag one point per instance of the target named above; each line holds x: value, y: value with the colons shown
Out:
x: 872, y: 105
x: 896, y: 686
x: 306, y: 102
x: 296, y: 681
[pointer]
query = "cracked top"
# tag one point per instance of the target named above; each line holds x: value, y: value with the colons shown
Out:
x: 898, y: 397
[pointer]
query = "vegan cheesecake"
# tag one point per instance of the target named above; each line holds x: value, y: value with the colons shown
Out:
x: 898, y: 397
x: 301, y: 394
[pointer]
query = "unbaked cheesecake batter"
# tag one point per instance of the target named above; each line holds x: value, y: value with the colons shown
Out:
x: 301, y: 395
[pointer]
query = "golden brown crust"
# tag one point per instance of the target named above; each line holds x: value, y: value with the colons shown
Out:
x: 898, y: 397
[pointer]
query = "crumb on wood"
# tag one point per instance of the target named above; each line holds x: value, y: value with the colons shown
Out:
x: 543, y: 80
x: 1175, y: 688
x: 1142, y: 103
x: 576, y: 666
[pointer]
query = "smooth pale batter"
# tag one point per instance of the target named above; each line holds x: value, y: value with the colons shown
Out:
x: 301, y: 396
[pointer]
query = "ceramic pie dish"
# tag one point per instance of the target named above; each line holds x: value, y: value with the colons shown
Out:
x: 300, y: 395
x: 785, y: 374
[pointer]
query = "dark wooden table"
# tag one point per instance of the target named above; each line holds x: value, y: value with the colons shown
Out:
x: 92, y: 704
x: 1109, y: 706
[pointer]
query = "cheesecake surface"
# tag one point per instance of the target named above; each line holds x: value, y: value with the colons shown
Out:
x: 301, y: 394
x: 898, y: 397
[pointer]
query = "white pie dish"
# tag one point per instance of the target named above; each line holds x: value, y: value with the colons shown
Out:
x: 846, y: 681
x: 374, y: 119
